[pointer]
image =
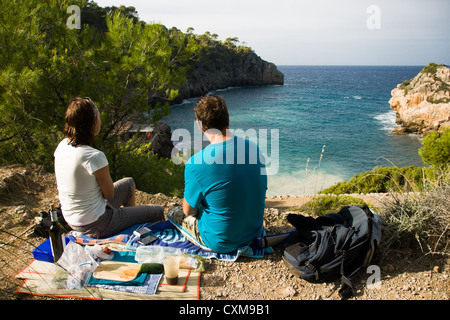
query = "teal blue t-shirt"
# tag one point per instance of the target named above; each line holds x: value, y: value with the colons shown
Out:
x: 227, y: 183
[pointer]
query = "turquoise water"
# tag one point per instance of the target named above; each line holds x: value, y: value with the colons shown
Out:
x: 332, y: 122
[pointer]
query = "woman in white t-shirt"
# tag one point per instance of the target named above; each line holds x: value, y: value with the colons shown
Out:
x: 91, y: 203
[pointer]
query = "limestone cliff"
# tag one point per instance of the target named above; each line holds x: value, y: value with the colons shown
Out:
x: 230, y: 70
x: 423, y: 103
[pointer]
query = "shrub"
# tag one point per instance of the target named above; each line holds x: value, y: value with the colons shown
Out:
x: 436, y: 148
x: 322, y: 205
x: 382, y: 180
x: 422, y: 218
x: 151, y: 173
x: 430, y: 68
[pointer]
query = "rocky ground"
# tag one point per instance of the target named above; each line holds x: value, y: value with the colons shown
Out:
x: 405, y: 274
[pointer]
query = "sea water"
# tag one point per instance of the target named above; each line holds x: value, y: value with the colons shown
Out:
x: 332, y: 122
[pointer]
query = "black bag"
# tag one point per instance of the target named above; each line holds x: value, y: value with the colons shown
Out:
x: 42, y: 228
x: 333, y: 246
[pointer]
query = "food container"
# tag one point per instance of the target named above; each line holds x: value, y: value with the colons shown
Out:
x: 149, y: 254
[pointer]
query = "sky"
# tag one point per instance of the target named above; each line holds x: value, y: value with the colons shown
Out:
x: 315, y: 32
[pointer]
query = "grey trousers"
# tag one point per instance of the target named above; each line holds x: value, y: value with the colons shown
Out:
x: 117, y: 218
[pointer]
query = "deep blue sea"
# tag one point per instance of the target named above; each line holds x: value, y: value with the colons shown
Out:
x: 329, y: 122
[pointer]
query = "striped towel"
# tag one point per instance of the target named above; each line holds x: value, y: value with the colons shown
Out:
x: 169, y: 235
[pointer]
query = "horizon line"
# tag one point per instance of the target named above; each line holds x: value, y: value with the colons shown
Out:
x: 352, y: 65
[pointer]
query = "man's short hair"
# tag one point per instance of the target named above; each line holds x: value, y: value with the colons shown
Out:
x: 212, y: 111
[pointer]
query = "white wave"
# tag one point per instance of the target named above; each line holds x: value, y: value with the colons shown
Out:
x: 357, y: 97
x: 387, y: 120
x: 300, y: 183
x: 220, y: 90
x: 185, y: 101
x: 225, y: 89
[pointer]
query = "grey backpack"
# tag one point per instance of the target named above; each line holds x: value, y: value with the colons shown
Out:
x: 333, y: 246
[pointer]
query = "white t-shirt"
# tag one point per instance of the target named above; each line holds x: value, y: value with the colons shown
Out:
x: 80, y: 195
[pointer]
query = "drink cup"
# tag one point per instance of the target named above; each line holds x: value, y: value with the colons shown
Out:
x: 171, y: 263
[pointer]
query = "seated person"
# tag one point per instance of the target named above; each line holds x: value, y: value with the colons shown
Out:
x: 90, y: 202
x: 225, y: 185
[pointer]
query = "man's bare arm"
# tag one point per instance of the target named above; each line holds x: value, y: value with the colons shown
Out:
x: 188, y: 210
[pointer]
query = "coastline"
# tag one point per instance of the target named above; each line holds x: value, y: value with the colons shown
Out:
x: 292, y: 202
x: 310, y: 110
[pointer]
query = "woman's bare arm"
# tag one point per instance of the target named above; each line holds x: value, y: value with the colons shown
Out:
x: 105, y: 182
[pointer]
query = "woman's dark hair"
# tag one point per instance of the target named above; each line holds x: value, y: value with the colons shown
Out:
x: 80, y: 122
x: 212, y: 111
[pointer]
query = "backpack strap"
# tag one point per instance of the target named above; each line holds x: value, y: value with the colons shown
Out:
x: 314, y: 269
x: 347, y: 289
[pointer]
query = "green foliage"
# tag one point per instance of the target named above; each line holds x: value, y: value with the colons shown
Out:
x: 383, y: 179
x: 34, y: 67
x: 405, y: 83
x: 213, y: 54
x: 120, y: 63
x: 431, y: 68
x: 131, y: 70
x: 325, y: 204
x: 151, y: 174
x: 436, y: 148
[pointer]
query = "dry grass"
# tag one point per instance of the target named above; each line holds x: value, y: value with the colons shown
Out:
x: 420, y: 218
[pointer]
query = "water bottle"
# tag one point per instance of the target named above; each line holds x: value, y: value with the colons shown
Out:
x: 57, y: 238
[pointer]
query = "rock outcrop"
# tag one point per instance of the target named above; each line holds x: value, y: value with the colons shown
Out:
x: 423, y: 103
x: 162, y: 144
x: 236, y: 70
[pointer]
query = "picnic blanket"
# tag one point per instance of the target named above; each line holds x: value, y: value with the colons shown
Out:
x: 39, y: 279
x: 169, y: 235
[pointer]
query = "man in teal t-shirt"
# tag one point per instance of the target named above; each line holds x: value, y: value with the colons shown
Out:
x: 225, y: 185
